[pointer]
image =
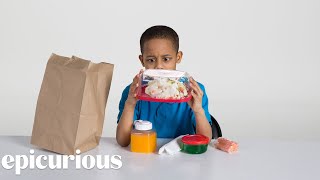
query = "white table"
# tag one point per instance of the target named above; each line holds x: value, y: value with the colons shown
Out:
x: 257, y: 159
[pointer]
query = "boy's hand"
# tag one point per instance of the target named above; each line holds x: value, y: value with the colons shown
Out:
x: 132, y: 96
x: 202, y: 124
x: 196, y: 101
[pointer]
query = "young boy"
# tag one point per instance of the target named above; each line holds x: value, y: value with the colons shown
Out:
x: 160, y: 50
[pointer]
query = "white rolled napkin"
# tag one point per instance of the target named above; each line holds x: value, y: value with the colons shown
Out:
x: 171, y: 147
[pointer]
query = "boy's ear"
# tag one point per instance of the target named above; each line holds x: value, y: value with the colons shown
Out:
x: 179, y: 57
x: 141, y: 60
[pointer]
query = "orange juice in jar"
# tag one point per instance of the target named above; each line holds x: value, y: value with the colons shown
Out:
x: 143, y: 138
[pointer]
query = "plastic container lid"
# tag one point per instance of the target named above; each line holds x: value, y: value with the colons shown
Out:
x: 196, y: 139
x: 142, y: 125
x: 165, y: 73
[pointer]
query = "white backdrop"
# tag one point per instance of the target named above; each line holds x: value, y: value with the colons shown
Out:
x: 259, y: 60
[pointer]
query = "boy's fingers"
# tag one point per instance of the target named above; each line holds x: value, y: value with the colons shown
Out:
x: 133, y: 87
x: 193, y: 81
x: 196, y: 85
x: 135, y: 83
x: 197, y: 94
x: 194, y: 94
x: 136, y: 78
x: 199, y: 91
x: 193, y: 90
x: 196, y: 98
x: 196, y: 88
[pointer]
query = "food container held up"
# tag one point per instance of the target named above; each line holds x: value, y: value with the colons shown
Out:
x: 164, y: 86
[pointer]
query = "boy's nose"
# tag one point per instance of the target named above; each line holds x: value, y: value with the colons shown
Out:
x: 159, y: 65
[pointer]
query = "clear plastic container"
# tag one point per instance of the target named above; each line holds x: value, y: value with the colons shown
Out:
x: 164, y: 86
x: 194, y: 144
x: 143, y: 138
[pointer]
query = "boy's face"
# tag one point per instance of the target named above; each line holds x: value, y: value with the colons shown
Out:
x: 160, y: 54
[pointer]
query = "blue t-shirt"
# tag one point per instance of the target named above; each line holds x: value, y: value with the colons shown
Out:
x: 170, y: 120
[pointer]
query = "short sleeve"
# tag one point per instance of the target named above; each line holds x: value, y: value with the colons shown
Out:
x: 122, y: 103
x: 205, y: 106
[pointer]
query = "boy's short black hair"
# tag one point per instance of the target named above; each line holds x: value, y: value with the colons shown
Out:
x: 161, y: 32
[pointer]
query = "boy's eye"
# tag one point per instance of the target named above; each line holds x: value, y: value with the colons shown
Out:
x: 150, y: 60
x: 166, y: 59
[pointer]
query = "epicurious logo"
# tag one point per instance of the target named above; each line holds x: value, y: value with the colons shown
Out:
x: 31, y: 161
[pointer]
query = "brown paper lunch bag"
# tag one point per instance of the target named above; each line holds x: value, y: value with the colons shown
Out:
x: 71, y: 105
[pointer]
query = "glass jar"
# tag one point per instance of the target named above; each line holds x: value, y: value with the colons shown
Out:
x: 143, y: 138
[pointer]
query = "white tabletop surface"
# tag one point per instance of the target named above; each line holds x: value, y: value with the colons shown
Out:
x: 257, y: 159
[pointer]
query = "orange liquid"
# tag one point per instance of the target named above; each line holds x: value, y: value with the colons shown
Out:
x: 143, y: 142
